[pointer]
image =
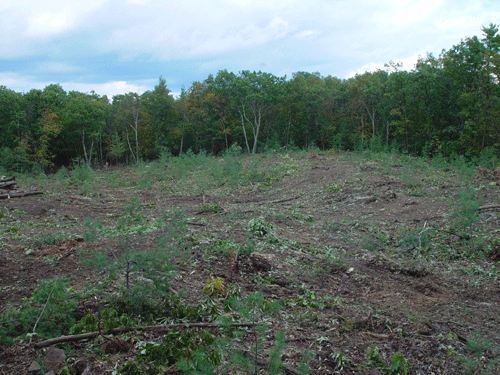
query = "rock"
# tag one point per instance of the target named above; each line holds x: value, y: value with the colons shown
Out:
x: 89, y: 371
x: 34, y: 368
x: 260, y: 262
x: 55, y: 359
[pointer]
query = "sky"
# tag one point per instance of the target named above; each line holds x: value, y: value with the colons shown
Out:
x: 115, y: 47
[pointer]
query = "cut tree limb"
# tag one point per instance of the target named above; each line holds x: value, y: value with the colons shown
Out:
x: 118, y: 331
x: 9, y: 184
x: 20, y: 195
x: 279, y: 200
x: 489, y: 206
x: 5, y: 179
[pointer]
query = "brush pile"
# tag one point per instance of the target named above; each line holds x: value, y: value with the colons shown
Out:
x: 9, y: 189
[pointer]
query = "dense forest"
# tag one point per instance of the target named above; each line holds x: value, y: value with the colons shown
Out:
x: 448, y: 105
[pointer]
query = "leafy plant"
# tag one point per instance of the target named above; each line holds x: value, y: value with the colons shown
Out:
x: 339, y: 360
x: 398, y: 365
x: 215, y: 285
x: 107, y: 319
x: 190, y: 350
x: 259, y: 227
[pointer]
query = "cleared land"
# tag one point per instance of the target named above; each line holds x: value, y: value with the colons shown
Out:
x: 379, y: 262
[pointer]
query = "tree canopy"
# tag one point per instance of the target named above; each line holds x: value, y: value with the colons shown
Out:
x: 449, y: 104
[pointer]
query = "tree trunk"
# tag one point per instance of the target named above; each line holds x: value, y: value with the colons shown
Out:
x: 242, y: 111
x: 256, y: 129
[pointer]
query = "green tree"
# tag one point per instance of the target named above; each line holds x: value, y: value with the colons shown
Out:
x: 83, y: 119
x: 129, y: 117
x: 252, y: 95
x: 162, y: 129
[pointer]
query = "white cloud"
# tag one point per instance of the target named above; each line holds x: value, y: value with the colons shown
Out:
x: 109, y: 88
x: 138, y: 2
x: 47, y: 24
x: 43, y: 18
x: 407, y: 63
x: 307, y: 34
x: 144, y: 38
x: 56, y: 67
x: 411, y: 11
x: 22, y: 83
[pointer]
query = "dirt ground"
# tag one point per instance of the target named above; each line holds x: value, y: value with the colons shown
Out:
x: 340, y: 222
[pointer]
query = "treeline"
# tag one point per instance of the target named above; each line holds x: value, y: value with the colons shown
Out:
x: 448, y: 105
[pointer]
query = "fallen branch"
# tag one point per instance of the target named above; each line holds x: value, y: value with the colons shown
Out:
x: 118, y: 331
x: 376, y: 335
x: 279, y: 200
x: 197, y: 224
x: 5, y: 185
x: 20, y: 195
x: 44, y: 307
x: 489, y: 206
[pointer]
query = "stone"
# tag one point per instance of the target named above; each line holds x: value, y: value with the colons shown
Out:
x: 34, y: 368
x: 55, y: 359
x: 89, y: 371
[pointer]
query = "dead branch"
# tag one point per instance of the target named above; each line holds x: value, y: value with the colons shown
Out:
x: 20, y: 195
x: 9, y: 185
x: 452, y: 233
x: 5, y: 179
x: 118, y: 331
x: 44, y: 307
x: 279, y: 200
x: 196, y: 224
x: 489, y: 207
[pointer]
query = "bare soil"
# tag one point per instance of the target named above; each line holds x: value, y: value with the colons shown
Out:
x: 339, y: 222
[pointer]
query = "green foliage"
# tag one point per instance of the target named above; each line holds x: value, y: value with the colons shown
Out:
x: 446, y: 106
x: 310, y: 299
x: 190, y: 350
x: 233, y: 150
x: 146, y: 272
x: 275, y: 363
x: 49, y: 312
x: 254, y: 308
x: 398, y: 365
x: 339, y: 361
x: 478, y: 358
x: 465, y: 210
x: 209, y: 208
x: 107, y: 319
x: 215, y: 285
x: 83, y: 177
x: 259, y: 227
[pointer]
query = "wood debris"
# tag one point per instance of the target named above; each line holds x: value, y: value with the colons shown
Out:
x: 9, y: 189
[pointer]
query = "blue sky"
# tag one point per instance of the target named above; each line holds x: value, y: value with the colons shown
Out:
x: 115, y: 47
